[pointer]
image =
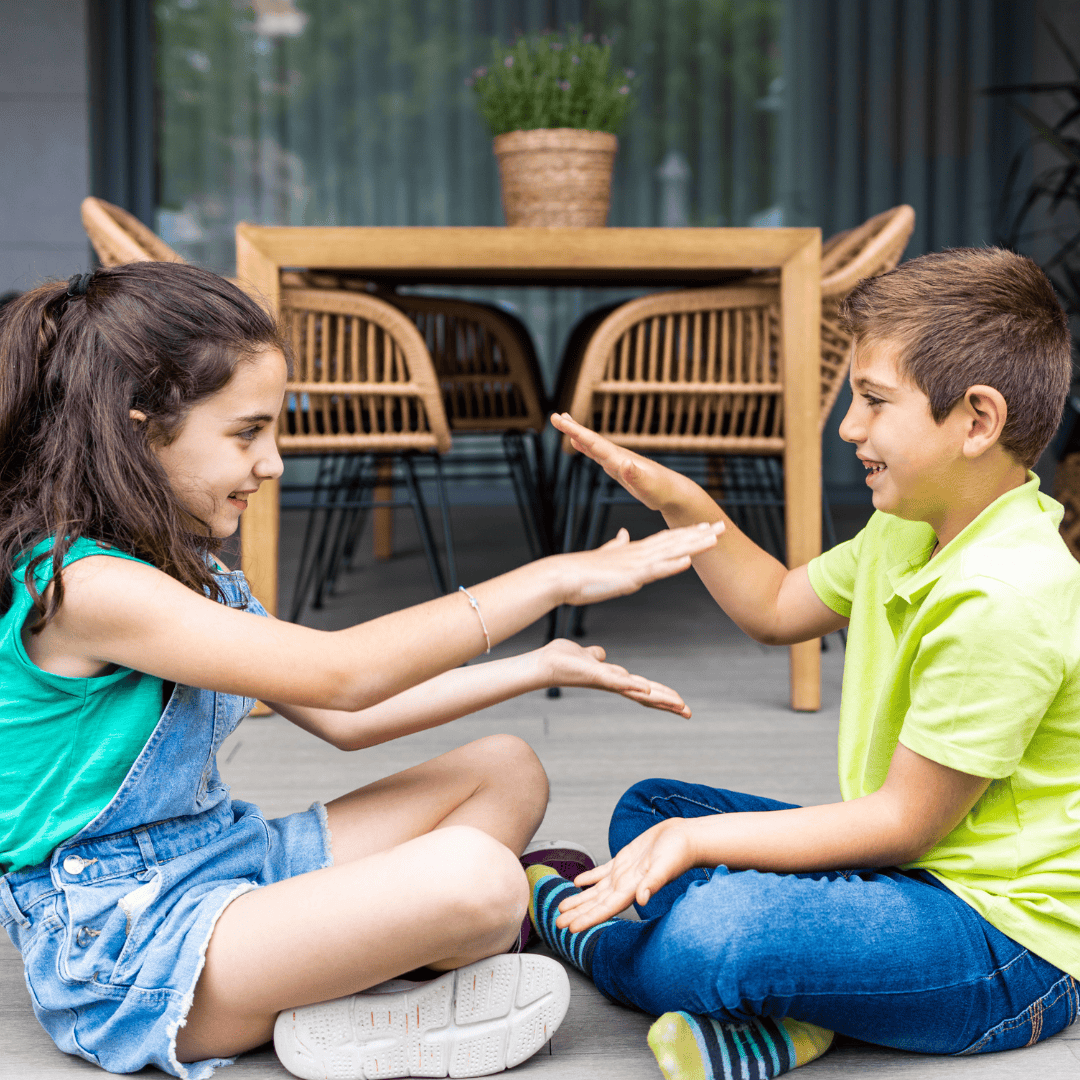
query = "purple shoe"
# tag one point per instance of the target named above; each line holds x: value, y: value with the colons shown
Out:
x: 565, y: 857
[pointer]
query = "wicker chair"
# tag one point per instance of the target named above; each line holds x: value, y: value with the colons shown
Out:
x: 698, y: 372
x: 364, y: 399
x: 119, y: 237
x: 491, y: 385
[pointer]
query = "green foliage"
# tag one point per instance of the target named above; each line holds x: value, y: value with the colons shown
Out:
x: 1049, y: 206
x: 553, y: 80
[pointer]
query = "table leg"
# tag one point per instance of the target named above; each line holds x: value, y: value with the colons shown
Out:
x: 259, y: 544
x: 383, y: 516
x: 800, y: 306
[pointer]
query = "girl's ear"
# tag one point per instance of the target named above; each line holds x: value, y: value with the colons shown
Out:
x: 138, y: 416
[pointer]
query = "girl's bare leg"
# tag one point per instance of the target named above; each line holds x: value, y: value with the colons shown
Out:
x: 425, y: 874
x: 495, y: 784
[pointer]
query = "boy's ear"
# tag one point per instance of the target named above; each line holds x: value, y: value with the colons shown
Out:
x: 986, y: 413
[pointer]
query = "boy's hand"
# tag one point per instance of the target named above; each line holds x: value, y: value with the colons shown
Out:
x: 649, y: 482
x: 568, y: 664
x: 622, y: 566
x: 645, y: 865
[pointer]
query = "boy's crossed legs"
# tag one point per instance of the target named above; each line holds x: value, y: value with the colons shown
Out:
x: 886, y: 956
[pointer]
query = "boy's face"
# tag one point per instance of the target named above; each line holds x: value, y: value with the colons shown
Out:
x: 914, y: 465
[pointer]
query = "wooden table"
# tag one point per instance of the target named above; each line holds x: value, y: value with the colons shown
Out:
x: 574, y: 257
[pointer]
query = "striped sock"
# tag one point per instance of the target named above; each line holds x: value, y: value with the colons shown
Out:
x: 546, y: 892
x: 692, y: 1047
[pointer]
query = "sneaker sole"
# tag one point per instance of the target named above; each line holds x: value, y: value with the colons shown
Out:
x: 475, y: 1021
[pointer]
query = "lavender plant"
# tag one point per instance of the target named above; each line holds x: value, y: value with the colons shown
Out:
x: 553, y: 80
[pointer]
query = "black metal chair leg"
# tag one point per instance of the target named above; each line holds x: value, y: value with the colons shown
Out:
x: 448, y: 536
x: 324, y: 467
x: 522, y: 483
x: 350, y: 486
x: 598, y: 515
x: 423, y: 525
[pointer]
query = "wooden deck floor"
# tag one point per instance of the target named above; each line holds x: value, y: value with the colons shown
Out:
x: 594, y: 746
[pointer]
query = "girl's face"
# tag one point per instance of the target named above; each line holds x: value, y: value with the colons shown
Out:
x: 225, y: 448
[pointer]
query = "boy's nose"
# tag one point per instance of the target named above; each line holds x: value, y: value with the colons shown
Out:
x: 850, y: 428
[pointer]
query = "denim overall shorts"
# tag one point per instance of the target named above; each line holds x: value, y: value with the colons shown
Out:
x: 113, y: 928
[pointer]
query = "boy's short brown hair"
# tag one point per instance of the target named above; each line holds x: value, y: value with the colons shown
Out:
x: 974, y: 316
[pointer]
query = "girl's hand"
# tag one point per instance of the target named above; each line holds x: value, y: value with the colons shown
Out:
x: 568, y: 664
x: 646, y: 864
x: 622, y: 566
x: 649, y: 482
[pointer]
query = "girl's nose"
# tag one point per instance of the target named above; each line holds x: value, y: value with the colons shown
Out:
x: 270, y: 465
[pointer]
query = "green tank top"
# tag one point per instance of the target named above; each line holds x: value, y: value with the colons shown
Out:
x: 67, y: 742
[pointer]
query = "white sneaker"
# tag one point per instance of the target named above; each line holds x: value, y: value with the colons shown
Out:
x: 475, y: 1021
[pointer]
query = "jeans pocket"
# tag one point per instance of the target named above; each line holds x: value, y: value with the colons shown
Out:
x: 100, y: 918
x: 1046, y: 1016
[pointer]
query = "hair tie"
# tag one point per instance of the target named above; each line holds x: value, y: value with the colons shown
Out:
x: 78, y: 284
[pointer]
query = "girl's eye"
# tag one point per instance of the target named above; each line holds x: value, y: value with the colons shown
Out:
x: 249, y: 434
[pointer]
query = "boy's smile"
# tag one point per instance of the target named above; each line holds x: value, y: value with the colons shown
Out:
x: 913, y: 464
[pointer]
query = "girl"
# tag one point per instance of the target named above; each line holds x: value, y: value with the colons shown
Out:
x: 161, y: 922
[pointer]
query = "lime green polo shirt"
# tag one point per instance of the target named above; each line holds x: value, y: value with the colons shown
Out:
x: 972, y: 659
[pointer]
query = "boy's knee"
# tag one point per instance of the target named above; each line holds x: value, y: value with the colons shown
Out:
x: 635, y: 812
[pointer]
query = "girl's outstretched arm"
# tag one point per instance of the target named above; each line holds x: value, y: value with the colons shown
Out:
x: 126, y: 613
x: 468, y: 689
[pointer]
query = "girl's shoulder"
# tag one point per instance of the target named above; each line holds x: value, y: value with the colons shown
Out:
x: 82, y: 547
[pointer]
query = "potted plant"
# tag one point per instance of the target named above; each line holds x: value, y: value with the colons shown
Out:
x: 554, y: 105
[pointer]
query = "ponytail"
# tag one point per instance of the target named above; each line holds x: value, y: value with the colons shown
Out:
x: 75, y: 359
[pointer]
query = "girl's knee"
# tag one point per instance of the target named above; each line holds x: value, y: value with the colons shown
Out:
x: 510, y: 760
x: 481, y: 879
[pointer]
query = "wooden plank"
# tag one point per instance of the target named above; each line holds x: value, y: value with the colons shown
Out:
x: 641, y: 386
x: 800, y: 317
x: 464, y: 249
x: 259, y: 523
x: 383, y: 516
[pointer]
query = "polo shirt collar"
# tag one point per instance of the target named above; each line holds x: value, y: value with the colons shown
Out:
x: 915, y: 575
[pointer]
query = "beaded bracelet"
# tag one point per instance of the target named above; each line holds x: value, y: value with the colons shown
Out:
x: 479, y: 615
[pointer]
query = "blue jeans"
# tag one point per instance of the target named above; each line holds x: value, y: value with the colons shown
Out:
x: 887, y: 956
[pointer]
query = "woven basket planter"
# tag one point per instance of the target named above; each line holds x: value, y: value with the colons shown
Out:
x: 556, y: 176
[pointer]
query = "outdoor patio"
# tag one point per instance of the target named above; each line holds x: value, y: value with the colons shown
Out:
x: 742, y: 735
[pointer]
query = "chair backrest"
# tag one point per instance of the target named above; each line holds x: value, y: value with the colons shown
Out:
x: 119, y: 237
x: 699, y: 370
x: 487, y: 366
x: 363, y: 378
x: 874, y: 248
x: 686, y: 371
x: 485, y: 360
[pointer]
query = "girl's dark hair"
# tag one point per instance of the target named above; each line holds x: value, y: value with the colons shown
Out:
x: 153, y: 336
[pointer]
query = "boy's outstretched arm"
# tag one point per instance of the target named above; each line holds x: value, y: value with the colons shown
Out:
x: 920, y: 802
x: 772, y: 604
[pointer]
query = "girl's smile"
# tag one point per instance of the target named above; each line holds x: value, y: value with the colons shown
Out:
x: 225, y: 448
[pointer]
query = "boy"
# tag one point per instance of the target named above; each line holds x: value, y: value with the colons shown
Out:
x: 937, y: 908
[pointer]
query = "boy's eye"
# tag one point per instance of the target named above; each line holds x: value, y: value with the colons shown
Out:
x: 871, y: 400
